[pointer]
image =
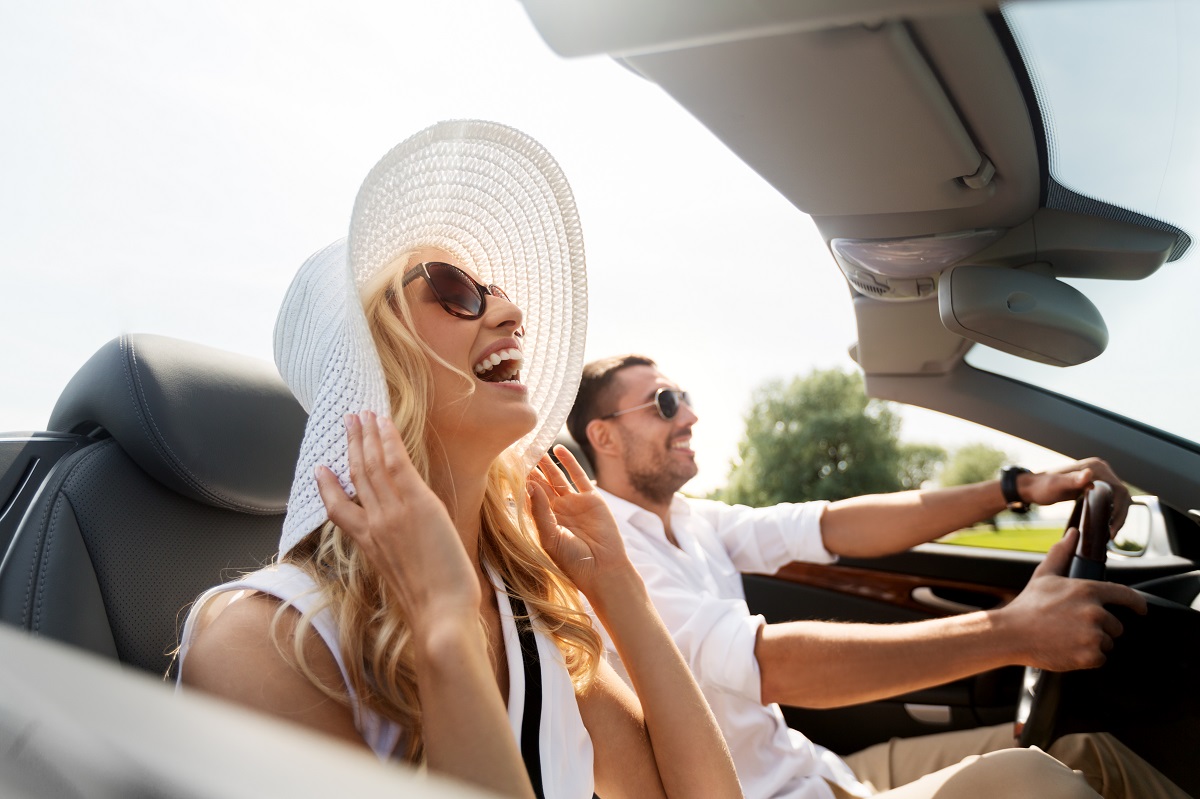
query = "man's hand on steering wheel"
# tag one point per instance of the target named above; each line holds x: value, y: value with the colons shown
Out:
x: 1068, y: 482
x: 1061, y: 624
x: 1062, y: 608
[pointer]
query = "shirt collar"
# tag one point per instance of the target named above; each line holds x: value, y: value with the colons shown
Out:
x: 627, y: 512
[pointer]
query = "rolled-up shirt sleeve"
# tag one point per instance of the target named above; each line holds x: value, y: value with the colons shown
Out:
x: 762, y: 540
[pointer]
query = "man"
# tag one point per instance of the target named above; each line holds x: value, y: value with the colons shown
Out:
x: 634, y: 425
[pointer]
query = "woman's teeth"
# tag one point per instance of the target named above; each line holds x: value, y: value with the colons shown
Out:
x: 502, y: 366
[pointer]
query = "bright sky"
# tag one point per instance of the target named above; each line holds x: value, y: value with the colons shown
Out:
x: 167, y: 167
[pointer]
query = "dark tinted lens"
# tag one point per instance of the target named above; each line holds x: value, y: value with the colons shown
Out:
x: 668, y: 403
x: 455, y: 289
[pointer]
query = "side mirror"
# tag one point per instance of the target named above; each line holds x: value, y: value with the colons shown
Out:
x: 1133, y: 539
x: 1023, y: 313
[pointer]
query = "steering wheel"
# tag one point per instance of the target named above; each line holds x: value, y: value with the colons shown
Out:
x: 1041, y: 691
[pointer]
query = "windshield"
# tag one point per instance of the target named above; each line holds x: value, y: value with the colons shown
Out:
x: 1118, y: 84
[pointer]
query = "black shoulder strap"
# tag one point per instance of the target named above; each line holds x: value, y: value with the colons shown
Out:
x: 531, y: 717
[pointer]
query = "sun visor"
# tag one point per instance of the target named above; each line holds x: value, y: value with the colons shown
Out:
x: 1023, y: 313
x: 910, y: 150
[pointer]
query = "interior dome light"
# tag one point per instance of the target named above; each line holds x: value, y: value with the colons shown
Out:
x: 904, y: 269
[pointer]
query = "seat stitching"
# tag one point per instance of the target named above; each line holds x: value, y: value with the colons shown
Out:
x: 35, y: 621
x: 33, y: 610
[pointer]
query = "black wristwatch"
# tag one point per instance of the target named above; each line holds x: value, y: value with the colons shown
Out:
x: 1008, y: 487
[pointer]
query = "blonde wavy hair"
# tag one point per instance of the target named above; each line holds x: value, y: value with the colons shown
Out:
x: 374, y: 635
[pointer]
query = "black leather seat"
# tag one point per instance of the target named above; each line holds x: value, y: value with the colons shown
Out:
x: 182, y: 483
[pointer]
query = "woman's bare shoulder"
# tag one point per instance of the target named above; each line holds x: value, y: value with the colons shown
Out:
x: 240, y: 653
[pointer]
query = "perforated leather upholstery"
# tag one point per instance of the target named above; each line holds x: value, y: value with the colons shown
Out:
x: 184, y: 486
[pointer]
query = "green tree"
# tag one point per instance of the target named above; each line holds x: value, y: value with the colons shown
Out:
x: 817, y: 437
x: 973, y: 463
x: 919, y: 463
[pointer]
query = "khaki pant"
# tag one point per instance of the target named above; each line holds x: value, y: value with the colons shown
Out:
x: 983, y: 764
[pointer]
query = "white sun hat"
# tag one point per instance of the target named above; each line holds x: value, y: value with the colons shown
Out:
x: 493, y: 198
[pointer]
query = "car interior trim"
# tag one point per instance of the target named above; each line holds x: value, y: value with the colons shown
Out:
x: 902, y: 590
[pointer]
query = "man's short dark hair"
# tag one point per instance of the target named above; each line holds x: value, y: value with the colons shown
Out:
x: 595, y: 397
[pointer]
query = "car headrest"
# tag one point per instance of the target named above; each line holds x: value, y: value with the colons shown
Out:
x: 220, y: 428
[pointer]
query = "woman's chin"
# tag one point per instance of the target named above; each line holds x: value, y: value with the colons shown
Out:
x: 524, y: 425
x: 500, y: 429
x: 490, y: 427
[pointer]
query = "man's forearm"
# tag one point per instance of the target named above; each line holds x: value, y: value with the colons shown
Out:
x: 883, y: 524
x: 826, y: 664
x: 1055, y: 623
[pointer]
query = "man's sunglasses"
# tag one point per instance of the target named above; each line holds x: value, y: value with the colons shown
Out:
x: 666, y: 400
x: 457, y: 292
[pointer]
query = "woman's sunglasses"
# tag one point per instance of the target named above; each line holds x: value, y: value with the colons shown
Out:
x: 456, y: 291
x: 666, y: 400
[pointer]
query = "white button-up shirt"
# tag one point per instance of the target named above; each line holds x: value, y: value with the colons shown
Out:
x: 697, y: 589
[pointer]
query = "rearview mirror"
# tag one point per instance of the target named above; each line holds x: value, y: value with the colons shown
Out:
x: 1023, y: 313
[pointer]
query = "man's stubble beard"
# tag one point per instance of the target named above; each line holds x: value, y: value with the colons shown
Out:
x: 656, y: 478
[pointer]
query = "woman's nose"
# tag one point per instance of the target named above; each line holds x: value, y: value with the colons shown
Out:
x: 503, y: 312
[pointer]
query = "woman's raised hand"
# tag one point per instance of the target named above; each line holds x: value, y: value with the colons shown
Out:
x: 688, y: 756
x: 574, y: 523
x: 405, y: 531
x: 400, y: 524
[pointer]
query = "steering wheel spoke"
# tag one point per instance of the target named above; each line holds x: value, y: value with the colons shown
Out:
x: 1041, y: 691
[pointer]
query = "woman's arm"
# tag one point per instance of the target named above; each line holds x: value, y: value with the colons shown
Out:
x: 234, y: 656
x: 668, y: 723
x: 624, y: 758
x: 402, y: 527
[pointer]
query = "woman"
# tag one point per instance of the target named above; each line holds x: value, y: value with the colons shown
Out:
x: 411, y: 595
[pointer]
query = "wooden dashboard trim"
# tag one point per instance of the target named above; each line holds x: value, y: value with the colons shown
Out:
x: 891, y: 588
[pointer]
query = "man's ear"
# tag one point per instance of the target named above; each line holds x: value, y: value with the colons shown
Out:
x: 602, y: 438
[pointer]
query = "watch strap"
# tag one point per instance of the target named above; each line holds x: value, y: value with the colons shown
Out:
x: 1008, y: 487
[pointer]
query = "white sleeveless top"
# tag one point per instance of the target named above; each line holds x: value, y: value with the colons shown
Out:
x: 564, y: 744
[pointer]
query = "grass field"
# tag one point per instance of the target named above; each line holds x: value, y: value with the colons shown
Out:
x: 1031, y: 539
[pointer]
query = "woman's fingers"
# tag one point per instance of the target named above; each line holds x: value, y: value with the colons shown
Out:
x: 554, y: 475
x: 578, y: 475
x: 539, y: 506
x: 359, y: 473
x: 395, y: 454
x: 543, y: 517
x: 539, y: 478
x: 341, y: 508
x: 374, y: 462
x: 380, y: 468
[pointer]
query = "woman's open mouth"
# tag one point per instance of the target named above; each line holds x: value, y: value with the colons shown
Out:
x: 502, y: 366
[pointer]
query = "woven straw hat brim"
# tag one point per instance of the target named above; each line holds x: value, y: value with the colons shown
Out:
x: 492, y: 197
